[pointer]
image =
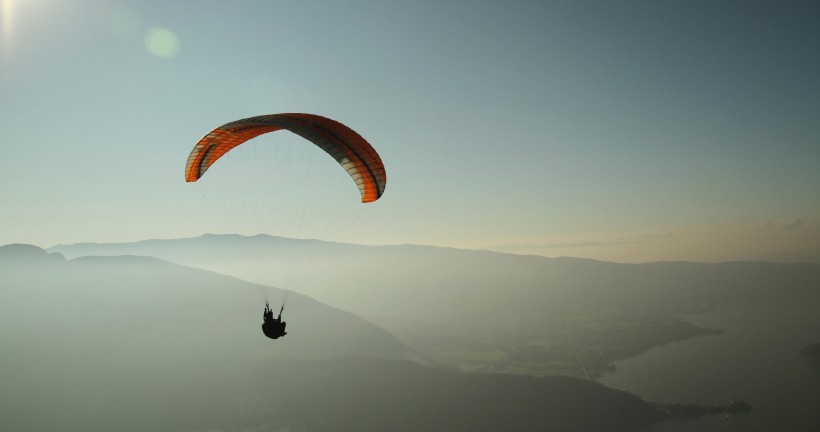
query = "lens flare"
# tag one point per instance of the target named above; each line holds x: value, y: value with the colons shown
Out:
x: 162, y: 42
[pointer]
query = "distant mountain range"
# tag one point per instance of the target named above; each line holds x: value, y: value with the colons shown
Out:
x: 109, y: 299
x: 491, y: 311
x: 137, y: 343
x: 453, y: 285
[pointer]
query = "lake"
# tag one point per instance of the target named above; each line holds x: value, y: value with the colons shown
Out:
x: 756, y: 359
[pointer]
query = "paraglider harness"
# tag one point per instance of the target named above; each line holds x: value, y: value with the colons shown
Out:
x: 273, y: 328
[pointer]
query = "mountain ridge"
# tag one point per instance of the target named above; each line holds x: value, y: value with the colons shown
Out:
x: 514, y: 313
x: 129, y: 282
x: 234, y: 237
x: 140, y: 335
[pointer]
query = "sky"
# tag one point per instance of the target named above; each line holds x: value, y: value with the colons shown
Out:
x: 623, y: 131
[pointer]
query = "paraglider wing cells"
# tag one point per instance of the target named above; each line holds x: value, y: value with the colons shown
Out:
x: 346, y: 146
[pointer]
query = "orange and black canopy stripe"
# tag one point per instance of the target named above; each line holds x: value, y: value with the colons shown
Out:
x: 349, y: 149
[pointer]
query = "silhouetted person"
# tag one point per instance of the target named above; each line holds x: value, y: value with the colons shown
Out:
x: 273, y: 328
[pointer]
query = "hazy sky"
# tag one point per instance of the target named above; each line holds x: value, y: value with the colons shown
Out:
x: 626, y: 131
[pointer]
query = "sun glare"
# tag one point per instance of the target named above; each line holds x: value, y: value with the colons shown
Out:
x: 7, y: 11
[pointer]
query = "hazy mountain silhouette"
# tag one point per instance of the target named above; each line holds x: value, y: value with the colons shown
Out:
x: 137, y: 343
x: 490, y: 311
x: 453, y: 284
x: 26, y: 253
x: 117, y: 299
x: 401, y: 396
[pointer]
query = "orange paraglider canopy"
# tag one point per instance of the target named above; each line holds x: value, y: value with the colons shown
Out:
x: 349, y: 149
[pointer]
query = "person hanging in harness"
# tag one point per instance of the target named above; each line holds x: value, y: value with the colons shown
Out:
x: 273, y: 328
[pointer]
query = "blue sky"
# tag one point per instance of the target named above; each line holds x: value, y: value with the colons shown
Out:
x: 626, y: 131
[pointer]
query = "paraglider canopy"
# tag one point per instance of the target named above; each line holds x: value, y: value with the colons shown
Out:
x: 349, y: 149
